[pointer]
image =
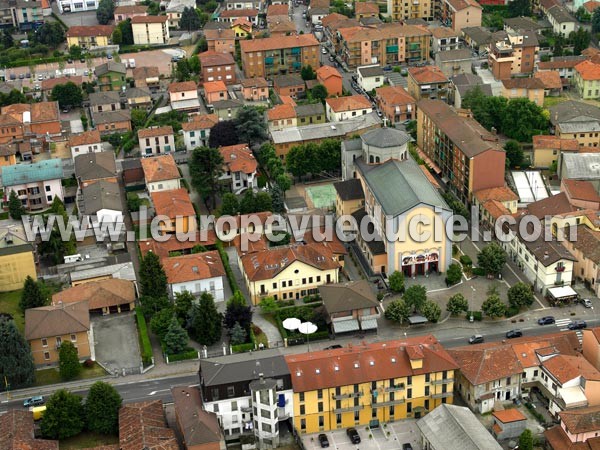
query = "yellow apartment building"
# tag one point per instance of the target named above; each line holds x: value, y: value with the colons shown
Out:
x: 17, y: 261
x: 370, y: 383
x: 90, y: 36
x: 586, y: 79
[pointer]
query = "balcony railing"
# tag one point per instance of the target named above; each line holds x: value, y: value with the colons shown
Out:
x: 560, y: 268
x: 442, y: 395
x: 349, y: 409
x: 443, y: 381
x: 399, y: 387
x: 347, y: 395
x: 399, y: 401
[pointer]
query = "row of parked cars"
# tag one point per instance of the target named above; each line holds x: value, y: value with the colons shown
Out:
x: 354, y: 438
x: 516, y: 333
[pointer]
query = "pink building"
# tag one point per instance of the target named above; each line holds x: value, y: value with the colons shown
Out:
x: 255, y: 89
x: 215, y: 91
x: 35, y: 184
x: 129, y: 12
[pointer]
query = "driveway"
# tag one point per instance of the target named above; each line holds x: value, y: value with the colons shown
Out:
x: 116, y: 341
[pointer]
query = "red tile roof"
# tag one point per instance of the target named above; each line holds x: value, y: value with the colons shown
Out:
x: 502, y: 194
x: 90, y: 30
x: 183, y: 86
x: 171, y: 245
x: 325, y: 72
x: 200, y: 122
x: 155, y: 132
x: 280, y: 112
x: 581, y: 420
x: 280, y: 42
x: 98, y: 294
x: 588, y: 70
x: 427, y: 74
x: 278, y: 10
x: 394, y: 95
x: 149, y: 19
x: 351, y: 103
x: 17, y: 432
x: 591, y: 6
x: 144, y: 426
x: 198, y: 266
x: 581, y: 190
x: 366, y: 8
x: 550, y: 79
x: 211, y: 58
x: 564, y: 368
x: 85, y: 138
x: 173, y: 203
x: 160, y: 168
x: 214, y: 86
x: 48, y: 85
x: 131, y: 9
x: 239, y: 158
x: 555, y: 143
x: 509, y: 415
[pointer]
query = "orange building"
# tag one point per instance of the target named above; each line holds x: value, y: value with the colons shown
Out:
x: 176, y: 206
x: 331, y: 79
x: 395, y: 103
x: 215, y: 91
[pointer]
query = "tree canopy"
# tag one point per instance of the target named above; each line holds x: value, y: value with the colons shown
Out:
x: 16, y: 362
x: 396, y: 281
x: 51, y: 34
x: 176, y: 339
x: 204, y: 323
x: 397, y: 311
x: 189, y: 20
x: 105, y: 11
x: 67, y: 95
x: 32, y: 296
x: 520, y: 295
x: 491, y: 259
x: 312, y: 158
x: 250, y: 126
x: 102, y: 408
x: 493, y: 306
x: 68, y: 361
x: 206, y: 167
x: 153, y: 280
x: 415, y: 296
x: 63, y: 417
x: 223, y: 134
x: 457, y: 304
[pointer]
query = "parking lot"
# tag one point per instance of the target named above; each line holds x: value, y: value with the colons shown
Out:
x: 390, y: 436
x: 116, y: 341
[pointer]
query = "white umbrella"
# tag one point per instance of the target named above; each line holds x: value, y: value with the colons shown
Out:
x: 291, y: 323
x: 307, y: 328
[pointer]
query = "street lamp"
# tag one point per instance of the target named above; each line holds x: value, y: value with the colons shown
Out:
x: 473, y: 298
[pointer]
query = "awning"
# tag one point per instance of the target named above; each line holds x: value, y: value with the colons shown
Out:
x: 345, y: 326
x: 368, y: 324
x: 428, y: 161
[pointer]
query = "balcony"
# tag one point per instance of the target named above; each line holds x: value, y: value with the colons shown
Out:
x: 399, y: 401
x: 442, y: 395
x: 560, y: 268
x: 345, y: 396
x: 443, y: 381
x: 349, y: 409
x: 399, y: 387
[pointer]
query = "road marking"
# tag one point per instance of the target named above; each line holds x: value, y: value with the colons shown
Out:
x: 160, y: 390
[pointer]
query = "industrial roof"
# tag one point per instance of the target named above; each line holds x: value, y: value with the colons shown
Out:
x: 50, y: 169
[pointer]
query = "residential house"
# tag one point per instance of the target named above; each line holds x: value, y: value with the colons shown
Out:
x: 17, y: 260
x: 281, y: 116
x: 278, y: 10
x: 150, y: 30
x: 255, y: 89
x: 199, y: 429
x: 218, y: 67
x: 280, y: 26
x: 176, y: 206
x: 344, y: 108
x: 477, y: 38
x: 446, y: 137
x: 350, y: 307
x: 11, y: 129
x: 92, y: 167
x: 443, y: 39
x: 90, y: 36
x: 144, y: 425
x: 461, y: 84
x: 349, y: 198
x: 316, y: 13
x: 174, y: 10
x: 156, y: 140
x: 8, y: 153
x: 454, y: 62
x: 395, y: 103
x: 196, y: 273
x: 47, y: 85
x: 67, y: 6
x: 561, y: 20
x: 129, y: 12
x: 564, y: 65
x: 251, y: 224
x: 531, y: 88
x: 427, y: 82
x: 577, y: 429
x: 240, y: 168
x: 547, y: 149
x: 146, y: 77
x: 102, y: 297
x: 86, y: 142
x: 586, y: 79
x: 524, y: 24
x: 270, y: 56
x: 220, y: 40
x: 110, y: 122
x: 18, y: 431
x: 291, y: 85
x: 331, y: 79
x: 459, y: 14
x: 577, y: 120
x: 100, y: 205
x: 215, y: 91
x: 242, y: 28
x: 161, y: 173
x: 508, y: 424
x: 495, y: 202
x: 229, y: 16
x: 334, y: 388
x: 366, y: 9
x: 370, y: 77
x: 227, y: 109
x: 39, y: 119
x: 106, y: 101
x: 197, y: 130
x: 139, y: 98
x: 35, y: 184
x: 512, y: 54
x: 311, y: 113
x: 48, y: 326
x: 183, y: 96
x: 553, y: 84
x: 451, y: 426
x: 111, y: 76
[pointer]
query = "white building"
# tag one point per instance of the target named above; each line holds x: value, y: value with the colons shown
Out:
x: 197, y: 131
x: 36, y: 184
x: 240, y: 167
x: 101, y: 203
x: 68, y: 6
x: 370, y: 77
x: 343, y: 108
x: 86, y: 142
x: 161, y: 173
x: 561, y: 20
x: 156, y: 140
x: 196, y: 273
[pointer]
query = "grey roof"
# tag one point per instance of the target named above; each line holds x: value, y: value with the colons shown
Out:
x: 561, y: 14
x: 348, y: 296
x: 486, y: 89
x: 123, y: 271
x: 131, y: 163
x: 104, y: 98
x: 291, y: 79
x: 385, y: 137
x: 229, y: 103
x: 311, y: 109
x: 370, y: 71
x: 376, y: 245
x: 478, y: 34
x: 135, y: 92
x: 466, y: 78
x: 522, y: 23
x: 399, y: 185
x: 352, y: 145
x: 455, y: 427
x: 243, y: 367
x: 101, y: 195
x: 111, y: 116
x: 454, y: 55
x: 95, y: 166
x: 580, y: 166
x: 349, y: 189
x: 318, y: 11
x: 110, y: 66
x: 416, y: 21
x: 367, y: 20
x: 573, y: 111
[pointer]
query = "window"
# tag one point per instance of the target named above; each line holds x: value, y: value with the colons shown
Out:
x: 267, y: 427
x: 230, y: 391
x: 265, y: 414
x: 427, y: 377
x: 301, y: 396
x: 302, y: 410
x: 58, y: 341
x: 303, y: 424
x: 46, y: 356
x: 409, y: 393
x: 73, y: 338
x: 47, y: 188
x: 320, y: 391
x: 320, y: 406
x: 426, y: 390
x: 427, y: 404
x: 234, y: 406
x: 44, y: 342
x: 321, y: 421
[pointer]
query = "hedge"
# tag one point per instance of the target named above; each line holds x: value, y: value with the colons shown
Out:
x: 466, y: 260
x: 535, y: 414
x: 145, y: 346
x: 299, y: 339
x: 232, y: 282
x: 188, y: 354
x: 477, y: 315
x: 511, y: 311
x: 479, y: 271
x: 312, y: 299
x: 246, y: 347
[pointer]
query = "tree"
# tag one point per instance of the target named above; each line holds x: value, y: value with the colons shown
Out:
x: 250, y: 126
x: 519, y: 295
x: 105, y: 11
x: 183, y: 303
x: 67, y: 95
x: 63, y: 417
x: 230, y: 205
x: 491, y: 259
x: 32, y: 296
x: 51, y: 34
x: 102, y: 408
x: 223, y: 134
x: 596, y: 21
x: 397, y: 311
x: 522, y: 119
x: 526, y: 440
x: 415, y: 297
x: 153, y: 280
x: 457, y: 304
x: 493, y: 307
x: 7, y: 39
x: 182, y: 70
x: 238, y: 311
x: 396, y: 281
x: 582, y: 15
x: 117, y: 36
x: 237, y: 334
x: 159, y: 324
x: 68, y: 361
x: 176, y: 339
x: 206, y: 167
x: 126, y: 32
x: 16, y: 362
x: 453, y: 274
x: 319, y: 92
x: 194, y: 63
x: 152, y: 305
x: 559, y: 43
x: 580, y: 39
x: 517, y: 8
x: 307, y: 73
x: 190, y: 20
x: 277, y: 200
x: 75, y: 51
x: 138, y: 118
x: 248, y: 202
x: 263, y: 202
x: 268, y: 305
x: 204, y: 323
x: 514, y: 153
x: 15, y: 207
x: 431, y: 311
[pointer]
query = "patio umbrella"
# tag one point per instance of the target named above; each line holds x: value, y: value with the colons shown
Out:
x: 291, y: 323
x: 307, y: 328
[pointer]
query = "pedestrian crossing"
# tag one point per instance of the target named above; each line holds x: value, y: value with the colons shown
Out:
x: 563, y: 325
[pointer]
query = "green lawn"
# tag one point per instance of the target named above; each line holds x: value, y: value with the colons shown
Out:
x: 51, y: 376
x: 87, y: 440
x: 551, y: 101
x: 9, y: 303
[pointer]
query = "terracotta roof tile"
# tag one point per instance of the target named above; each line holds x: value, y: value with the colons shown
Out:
x: 351, y: 103
x: 509, y: 415
x: 550, y: 79
x: 243, y: 23
x: 366, y: 8
x: 160, y: 168
x: 565, y: 368
x: 527, y: 349
x: 90, y: 30
x: 141, y: 73
x: 325, y: 72
x: 581, y: 420
x: 198, y: 426
x: 200, y: 122
x: 40, y: 112
x: 183, y: 86
x: 564, y: 62
x: 581, y: 190
x: 49, y: 321
x: 281, y: 42
x: 198, y: 266
x: 381, y: 32
x: 211, y: 58
x: 287, y: 100
x: 214, y: 86
x: 144, y: 426
x: 98, y: 294
x: 555, y: 143
x: 444, y: 32
x: 591, y: 6
x: 459, y: 5
x: 239, y: 13
x: 588, y: 70
x: 394, y: 95
x: 556, y: 204
x: 239, y: 158
x: 155, y: 132
x: 148, y: 19
x: 486, y: 362
x: 164, y: 249
x: 523, y: 83
x: 173, y: 203
x: 48, y: 85
x: 278, y: 10
x: 131, y: 9
x: 280, y: 112
x: 427, y: 74
x: 255, y: 82
x: 85, y: 138
x: 219, y: 34
x: 502, y: 194
x: 17, y: 432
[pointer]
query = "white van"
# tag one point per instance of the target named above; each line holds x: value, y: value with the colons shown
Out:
x: 132, y: 63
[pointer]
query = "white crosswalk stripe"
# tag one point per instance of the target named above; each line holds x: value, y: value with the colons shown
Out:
x: 563, y: 325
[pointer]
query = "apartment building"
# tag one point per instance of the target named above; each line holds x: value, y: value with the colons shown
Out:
x: 428, y: 82
x: 395, y: 103
x: 35, y: 184
x: 273, y: 56
x: 459, y: 14
x: 149, y: 30
x: 217, y: 67
x: 220, y: 40
x: 156, y: 140
x: 586, y: 79
x: 88, y: 37
x: 400, y: 10
x: 577, y: 120
x: 459, y: 149
x: 444, y: 38
x: 370, y: 383
x: 512, y: 54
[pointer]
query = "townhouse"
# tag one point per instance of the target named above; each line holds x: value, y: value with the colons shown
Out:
x: 196, y: 273
x: 239, y: 171
x: 35, y: 184
x: 215, y: 91
x: 564, y: 65
x: 427, y: 82
x: 183, y: 96
x: 255, y: 89
x: 178, y: 211
x: 577, y: 120
x: 220, y: 40
x: 495, y: 202
x: 161, y: 173
x: 139, y: 98
x: 86, y: 142
x: 343, y: 108
x: 197, y: 130
x: 281, y: 116
x: 312, y: 113
x: 146, y: 77
x: 90, y: 37
x: 150, y: 30
x: 156, y: 140
x: 110, y: 122
x: 444, y: 38
x: 39, y: 119
x: 586, y: 79
x: 291, y: 85
x: 531, y: 88
x: 548, y: 149
x: 551, y: 81
x: 106, y: 101
x: 331, y: 79
x: 218, y: 67
x: 111, y: 76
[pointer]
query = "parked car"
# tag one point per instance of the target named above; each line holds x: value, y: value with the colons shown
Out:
x: 476, y: 339
x: 34, y: 401
x: 406, y: 446
x: 353, y: 435
x: 323, y: 441
x: 109, y: 56
x: 21, y: 76
x: 331, y: 58
x: 387, y: 68
x: 586, y: 302
x: 577, y: 325
x: 333, y: 347
x: 82, y: 59
x: 323, y: 50
x: 40, y: 77
x: 514, y: 334
x: 70, y: 61
x: 548, y: 320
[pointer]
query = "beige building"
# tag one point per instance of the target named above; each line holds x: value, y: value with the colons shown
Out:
x: 531, y: 88
x: 90, y: 36
x: 577, y: 120
x: 156, y: 140
x: 547, y: 149
x: 17, y: 260
x: 400, y: 10
x: 149, y: 30
x: 459, y: 14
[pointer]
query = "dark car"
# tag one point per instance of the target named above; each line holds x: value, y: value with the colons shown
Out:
x: 476, y: 339
x: 407, y: 446
x: 333, y: 347
x: 70, y: 61
x: 82, y: 59
x: 577, y: 325
x: 548, y: 320
x: 353, y: 435
x: 387, y: 68
x: 513, y: 334
x: 323, y: 441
